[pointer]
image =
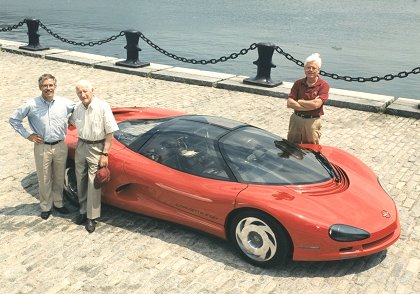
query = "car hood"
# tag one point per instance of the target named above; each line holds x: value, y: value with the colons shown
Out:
x: 357, y: 199
x: 361, y: 206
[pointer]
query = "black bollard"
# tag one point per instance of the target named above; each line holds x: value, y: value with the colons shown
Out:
x: 33, y: 35
x: 132, y: 60
x: 264, y: 65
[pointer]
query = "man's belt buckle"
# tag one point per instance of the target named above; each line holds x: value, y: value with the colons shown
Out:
x: 53, y: 143
x: 92, y: 142
x: 306, y: 116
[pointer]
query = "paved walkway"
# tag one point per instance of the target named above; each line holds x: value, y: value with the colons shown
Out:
x: 129, y: 253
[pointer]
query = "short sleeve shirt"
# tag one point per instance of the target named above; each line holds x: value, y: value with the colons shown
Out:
x: 301, y: 90
x: 95, y: 121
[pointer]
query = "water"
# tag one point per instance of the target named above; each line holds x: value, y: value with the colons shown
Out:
x: 359, y: 38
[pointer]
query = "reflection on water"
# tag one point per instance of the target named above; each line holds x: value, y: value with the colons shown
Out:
x: 355, y: 38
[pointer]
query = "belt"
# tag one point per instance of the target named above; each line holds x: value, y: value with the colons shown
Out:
x: 306, y: 116
x: 92, y: 142
x: 53, y: 143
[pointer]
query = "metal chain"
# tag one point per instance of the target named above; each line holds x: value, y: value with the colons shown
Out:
x: 12, y: 27
x: 83, y: 44
x: 195, y: 61
x: 374, y: 79
x: 253, y: 46
x: 388, y: 77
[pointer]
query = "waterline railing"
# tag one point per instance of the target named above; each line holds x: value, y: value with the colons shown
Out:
x: 264, y: 62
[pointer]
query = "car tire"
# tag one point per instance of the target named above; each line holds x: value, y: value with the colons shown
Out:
x: 259, y: 238
x: 70, y: 183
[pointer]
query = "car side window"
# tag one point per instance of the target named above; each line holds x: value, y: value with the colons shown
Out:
x: 188, y: 153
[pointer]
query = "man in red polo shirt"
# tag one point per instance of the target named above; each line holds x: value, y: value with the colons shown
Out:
x: 306, y: 98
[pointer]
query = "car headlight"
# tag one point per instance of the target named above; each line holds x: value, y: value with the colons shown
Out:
x: 345, y: 233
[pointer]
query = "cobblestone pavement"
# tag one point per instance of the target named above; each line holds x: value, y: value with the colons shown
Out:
x: 130, y: 253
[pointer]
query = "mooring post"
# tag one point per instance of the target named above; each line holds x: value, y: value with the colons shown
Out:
x: 33, y: 35
x: 264, y: 65
x: 132, y: 48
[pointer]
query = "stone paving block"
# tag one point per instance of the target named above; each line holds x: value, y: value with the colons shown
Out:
x: 79, y: 58
x: 13, y: 44
x: 237, y: 84
x: 359, y: 100
x: 404, y: 107
x: 140, y: 71
x: 40, y: 54
x: 190, y: 76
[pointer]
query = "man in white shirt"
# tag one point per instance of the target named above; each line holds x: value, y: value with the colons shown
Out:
x: 95, y: 125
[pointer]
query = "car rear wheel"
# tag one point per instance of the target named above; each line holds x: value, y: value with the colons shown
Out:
x: 259, y: 238
x: 70, y: 184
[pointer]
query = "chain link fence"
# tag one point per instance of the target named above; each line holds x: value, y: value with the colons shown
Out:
x: 244, y: 51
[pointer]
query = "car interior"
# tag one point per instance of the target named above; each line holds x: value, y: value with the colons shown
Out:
x: 189, y: 153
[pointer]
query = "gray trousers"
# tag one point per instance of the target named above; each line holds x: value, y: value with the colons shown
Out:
x: 50, y: 163
x: 86, y: 162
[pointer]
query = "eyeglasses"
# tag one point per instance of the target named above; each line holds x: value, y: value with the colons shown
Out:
x: 48, y: 86
x: 313, y: 68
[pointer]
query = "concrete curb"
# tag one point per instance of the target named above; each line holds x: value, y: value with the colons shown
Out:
x: 398, y: 106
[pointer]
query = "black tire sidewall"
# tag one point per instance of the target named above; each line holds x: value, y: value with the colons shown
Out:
x: 283, y: 250
x: 70, y: 176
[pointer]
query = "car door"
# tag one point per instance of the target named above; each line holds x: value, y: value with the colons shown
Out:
x: 167, y: 193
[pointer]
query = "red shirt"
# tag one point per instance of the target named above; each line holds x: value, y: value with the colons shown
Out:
x: 301, y: 90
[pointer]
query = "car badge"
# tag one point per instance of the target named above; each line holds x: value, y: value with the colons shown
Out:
x: 385, y: 214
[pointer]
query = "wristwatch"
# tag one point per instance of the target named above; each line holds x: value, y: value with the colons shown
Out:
x: 104, y: 153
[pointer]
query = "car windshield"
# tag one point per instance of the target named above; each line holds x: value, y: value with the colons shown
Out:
x: 259, y: 157
x: 131, y: 130
x: 185, y: 143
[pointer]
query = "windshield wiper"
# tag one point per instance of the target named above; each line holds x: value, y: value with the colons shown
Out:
x: 289, y: 149
x: 327, y: 165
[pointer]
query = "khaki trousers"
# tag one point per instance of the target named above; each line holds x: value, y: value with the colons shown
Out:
x: 86, y: 162
x: 50, y: 163
x: 304, y: 130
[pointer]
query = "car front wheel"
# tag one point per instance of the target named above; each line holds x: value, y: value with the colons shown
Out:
x: 70, y: 184
x: 259, y: 238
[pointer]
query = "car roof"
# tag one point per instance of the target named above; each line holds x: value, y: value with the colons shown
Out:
x: 225, y: 123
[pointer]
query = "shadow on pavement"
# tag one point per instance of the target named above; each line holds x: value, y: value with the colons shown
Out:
x: 199, y: 242
x: 221, y: 250
x: 30, y: 185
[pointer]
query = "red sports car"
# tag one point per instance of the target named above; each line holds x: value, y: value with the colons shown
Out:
x: 272, y: 199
